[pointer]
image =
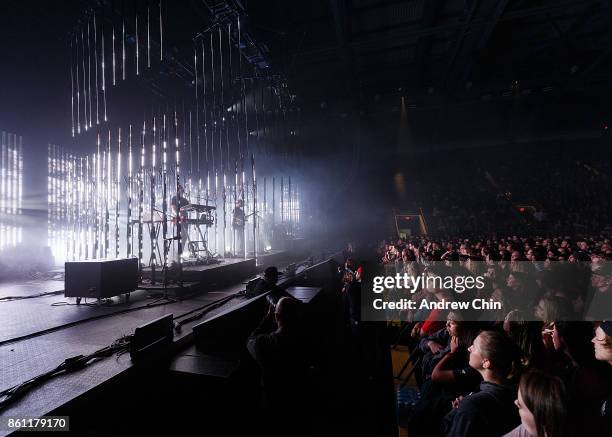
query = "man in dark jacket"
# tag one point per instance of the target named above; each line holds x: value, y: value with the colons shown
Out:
x: 280, y: 351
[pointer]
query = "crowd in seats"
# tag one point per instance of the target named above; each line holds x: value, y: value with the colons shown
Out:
x: 557, y: 278
x: 542, y: 366
x: 563, y: 189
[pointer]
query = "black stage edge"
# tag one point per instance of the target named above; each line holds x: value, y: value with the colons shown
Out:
x: 205, y: 277
x: 177, y: 290
x: 210, y: 274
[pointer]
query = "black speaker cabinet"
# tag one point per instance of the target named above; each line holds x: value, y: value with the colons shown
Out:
x: 100, y: 278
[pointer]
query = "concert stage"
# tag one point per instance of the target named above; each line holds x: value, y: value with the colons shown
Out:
x: 40, y: 333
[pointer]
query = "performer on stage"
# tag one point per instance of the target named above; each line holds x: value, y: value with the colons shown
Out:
x: 238, y: 223
x: 178, y: 203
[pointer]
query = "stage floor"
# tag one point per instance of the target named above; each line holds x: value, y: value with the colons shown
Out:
x: 36, y: 335
x: 25, y: 317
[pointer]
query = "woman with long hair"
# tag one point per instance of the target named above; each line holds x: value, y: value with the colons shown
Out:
x: 542, y: 405
x: 527, y: 336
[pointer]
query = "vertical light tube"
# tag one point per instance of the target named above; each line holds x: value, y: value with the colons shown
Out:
x: 153, y: 148
x: 48, y: 199
x: 10, y: 194
x: 68, y: 203
x: 84, y: 79
x: 60, y: 205
x: 205, y: 132
x: 77, y: 206
x: 109, y: 197
x: 114, y: 58
x: 153, y: 237
x: 197, y: 99
x: 15, y: 189
x: 50, y: 204
x: 89, y: 73
x: 80, y: 206
x: 179, y: 229
x: 148, y: 36
x: 128, y: 236
x: 103, y: 75
x: 282, y: 202
x: 141, y: 195
x: 164, y: 179
x: 78, y: 87
x: 56, y: 203
x: 137, y: 50
x: 96, y: 68
x: 273, y: 207
x: 95, y: 170
x: 161, y: 33
x: 63, y: 240
x: 3, y: 165
x: 117, y: 194
x: 51, y: 213
x: 59, y: 201
x: 4, y: 198
x: 20, y: 185
x: 73, y: 205
x: 86, y: 189
x: 289, y: 208
x: 123, y: 50
x: 71, y: 91
x: 103, y: 204
x: 254, y: 210
x: 96, y: 200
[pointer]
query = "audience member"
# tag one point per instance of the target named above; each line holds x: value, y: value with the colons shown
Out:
x: 542, y: 405
x: 489, y: 411
x: 277, y: 346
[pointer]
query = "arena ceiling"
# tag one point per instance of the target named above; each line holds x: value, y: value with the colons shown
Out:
x: 457, y: 48
x: 433, y: 52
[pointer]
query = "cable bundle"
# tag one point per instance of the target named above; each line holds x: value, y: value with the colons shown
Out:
x: 69, y: 365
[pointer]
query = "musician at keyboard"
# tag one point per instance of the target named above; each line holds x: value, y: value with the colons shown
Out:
x: 179, y: 203
x: 180, y: 206
x: 238, y: 222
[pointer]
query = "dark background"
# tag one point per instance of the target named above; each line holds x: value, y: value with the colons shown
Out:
x: 379, y: 84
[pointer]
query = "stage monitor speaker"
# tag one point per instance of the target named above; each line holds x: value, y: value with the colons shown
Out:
x: 226, y: 333
x: 153, y: 339
x: 101, y: 278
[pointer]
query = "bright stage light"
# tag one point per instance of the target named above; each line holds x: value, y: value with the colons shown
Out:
x: 11, y: 189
